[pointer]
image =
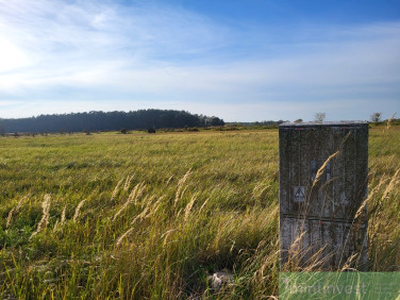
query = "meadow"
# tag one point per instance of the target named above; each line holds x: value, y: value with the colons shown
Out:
x: 151, y: 216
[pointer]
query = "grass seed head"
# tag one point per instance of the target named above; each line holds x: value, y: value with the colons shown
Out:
x: 189, y: 206
x: 135, y: 194
x: 127, y: 183
x: 181, y: 183
x: 14, y: 210
x: 122, y: 237
x: 116, y: 189
x: 78, y: 208
x: 46, y: 213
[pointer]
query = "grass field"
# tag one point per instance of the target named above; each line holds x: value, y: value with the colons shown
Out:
x: 151, y: 216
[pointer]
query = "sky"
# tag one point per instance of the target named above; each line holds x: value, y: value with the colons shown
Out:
x: 240, y: 60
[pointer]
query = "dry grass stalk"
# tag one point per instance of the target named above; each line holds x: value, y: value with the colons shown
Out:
x: 297, y: 257
x: 189, y: 206
x: 389, y: 123
x: 294, y: 252
x: 181, y: 182
x: 317, y: 260
x: 9, y: 218
x: 78, y: 208
x: 127, y: 184
x: 271, y: 259
x: 135, y: 219
x: 133, y: 197
x: 56, y: 225
x: 349, y: 262
x: 63, y: 215
x: 115, y: 192
x: 122, y: 237
x: 149, y: 209
x: 145, y: 213
x: 321, y: 170
x: 157, y: 204
x: 14, y: 210
x: 46, y: 213
x: 392, y: 184
x: 61, y: 222
x: 382, y: 181
x: 204, y: 204
x: 169, y: 179
x: 165, y: 235
x: 260, y: 189
x: 361, y: 210
x: 303, y: 259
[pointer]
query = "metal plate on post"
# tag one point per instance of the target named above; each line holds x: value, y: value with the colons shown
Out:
x: 299, y: 193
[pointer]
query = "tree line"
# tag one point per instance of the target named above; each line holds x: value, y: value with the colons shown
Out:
x: 108, y: 121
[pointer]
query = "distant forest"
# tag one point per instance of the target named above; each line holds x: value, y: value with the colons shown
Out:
x: 108, y: 121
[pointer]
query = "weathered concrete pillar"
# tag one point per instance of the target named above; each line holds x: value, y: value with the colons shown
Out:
x: 323, y: 185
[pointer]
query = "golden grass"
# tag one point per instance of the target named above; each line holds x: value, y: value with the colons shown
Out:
x: 45, y: 217
x: 196, y: 204
x: 15, y: 210
x: 78, y: 209
x: 135, y: 194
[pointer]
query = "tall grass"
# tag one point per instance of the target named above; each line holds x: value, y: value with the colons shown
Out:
x: 151, y: 216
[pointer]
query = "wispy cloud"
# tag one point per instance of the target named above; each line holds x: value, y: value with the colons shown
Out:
x: 106, y: 54
x: 45, y: 42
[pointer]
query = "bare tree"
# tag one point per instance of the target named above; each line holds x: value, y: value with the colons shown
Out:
x: 376, y: 117
x: 320, y: 117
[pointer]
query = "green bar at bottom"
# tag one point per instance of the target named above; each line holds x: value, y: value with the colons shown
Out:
x: 339, y: 285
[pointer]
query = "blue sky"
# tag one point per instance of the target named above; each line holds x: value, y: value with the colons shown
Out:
x: 241, y: 60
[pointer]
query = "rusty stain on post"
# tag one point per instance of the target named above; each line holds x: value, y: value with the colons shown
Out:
x: 323, y: 183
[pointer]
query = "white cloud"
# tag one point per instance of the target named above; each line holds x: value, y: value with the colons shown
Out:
x: 11, y: 57
x: 68, y: 41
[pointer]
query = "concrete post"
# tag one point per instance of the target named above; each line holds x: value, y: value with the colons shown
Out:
x: 323, y: 185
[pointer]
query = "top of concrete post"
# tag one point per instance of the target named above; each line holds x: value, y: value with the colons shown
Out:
x: 330, y: 123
